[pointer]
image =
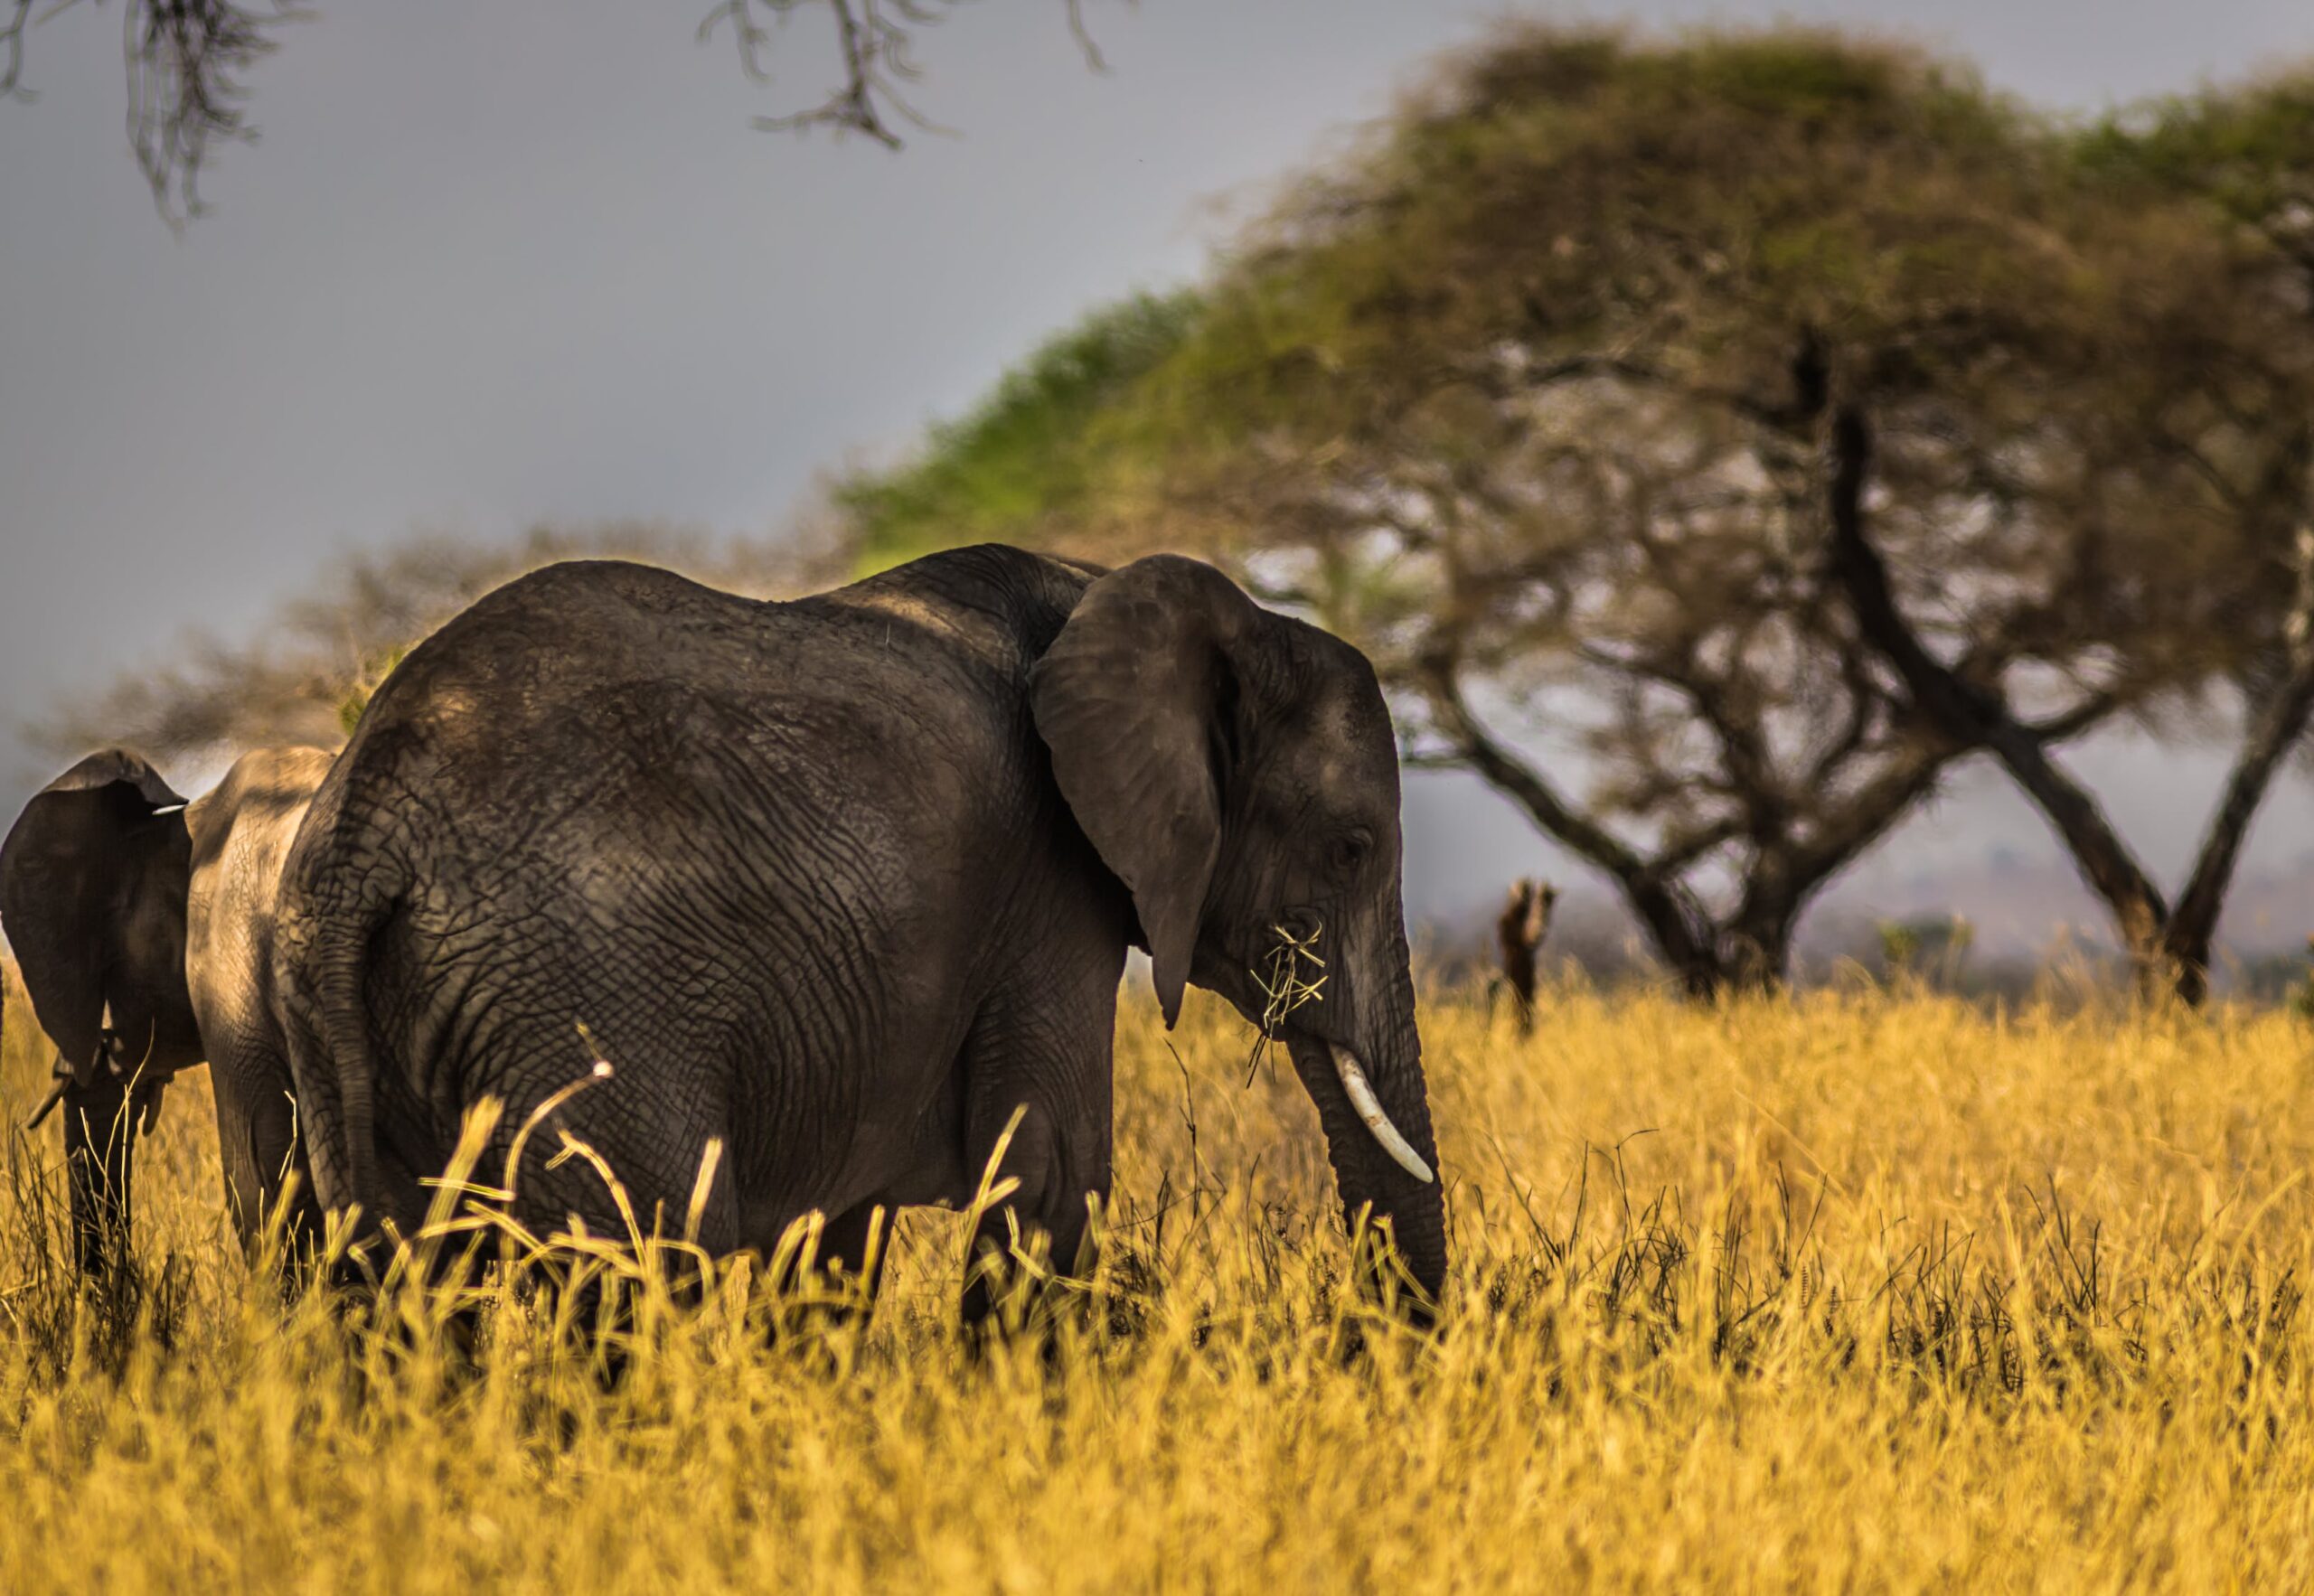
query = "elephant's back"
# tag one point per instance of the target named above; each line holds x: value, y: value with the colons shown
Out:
x: 528, y: 655
x: 902, y: 698
x: 539, y: 663
x: 614, y: 753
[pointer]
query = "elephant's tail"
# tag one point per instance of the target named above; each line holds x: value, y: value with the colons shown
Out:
x: 337, y: 959
x: 345, y: 1029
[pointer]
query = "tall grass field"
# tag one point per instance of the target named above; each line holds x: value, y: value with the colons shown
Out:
x: 1842, y: 1292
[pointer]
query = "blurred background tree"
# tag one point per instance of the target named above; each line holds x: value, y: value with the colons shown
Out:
x: 2213, y: 405
x: 1570, y: 394
x: 304, y: 678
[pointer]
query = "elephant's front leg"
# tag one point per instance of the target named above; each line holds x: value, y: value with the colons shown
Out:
x: 848, y: 1257
x: 855, y: 1244
x: 1041, y: 1073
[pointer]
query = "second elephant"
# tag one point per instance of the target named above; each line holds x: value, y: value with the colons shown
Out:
x: 143, y: 926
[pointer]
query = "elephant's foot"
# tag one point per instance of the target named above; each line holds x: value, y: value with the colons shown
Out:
x: 1026, y: 1267
x: 844, y: 1270
x: 854, y: 1247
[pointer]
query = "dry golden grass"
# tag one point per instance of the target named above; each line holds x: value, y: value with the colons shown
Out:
x: 1861, y: 1292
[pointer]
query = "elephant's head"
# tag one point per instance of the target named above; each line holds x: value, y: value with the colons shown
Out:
x: 93, y: 879
x: 1237, y: 770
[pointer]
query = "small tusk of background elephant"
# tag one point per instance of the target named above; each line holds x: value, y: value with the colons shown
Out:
x: 843, y: 883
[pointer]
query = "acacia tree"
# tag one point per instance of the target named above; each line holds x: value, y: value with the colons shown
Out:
x: 2073, y: 409
x: 188, y: 63
x: 1537, y: 397
x: 2229, y: 421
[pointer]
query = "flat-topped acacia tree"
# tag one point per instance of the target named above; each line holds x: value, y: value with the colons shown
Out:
x: 2230, y: 408
x: 1547, y: 394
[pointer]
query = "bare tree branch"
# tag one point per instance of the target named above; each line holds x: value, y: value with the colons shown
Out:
x: 2275, y: 726
x: 187, y: 60
x: 1672, y: 916
x: 1086, y: 43
x: 875, y: 44
x: 2092, y: 710
x: 11, y: 37
x: 1970, y: 714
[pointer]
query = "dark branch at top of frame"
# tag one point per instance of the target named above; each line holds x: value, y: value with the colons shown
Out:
x: 187, y: 63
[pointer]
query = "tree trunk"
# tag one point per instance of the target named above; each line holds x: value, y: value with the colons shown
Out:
x: 2169, y: 950
x: 1705, y: 956
x: 1674, y: 920
x: 1972, y: 715
x: 1757, y: 950
x: 2274, y: 730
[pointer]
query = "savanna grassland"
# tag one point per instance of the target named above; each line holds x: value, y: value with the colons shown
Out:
x: 1861, y: 1292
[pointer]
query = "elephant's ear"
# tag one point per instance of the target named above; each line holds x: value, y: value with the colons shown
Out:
x: 66, y: 875
x: 1129, y: 698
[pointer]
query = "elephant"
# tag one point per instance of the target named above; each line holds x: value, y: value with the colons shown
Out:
x: 143, y: 926
x: 844, y: 886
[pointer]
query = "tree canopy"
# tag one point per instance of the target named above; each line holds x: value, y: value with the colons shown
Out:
x: 1728, y: 410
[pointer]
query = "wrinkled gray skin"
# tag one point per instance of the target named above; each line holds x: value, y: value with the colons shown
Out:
x: 842, y: 882
x: 121, y: 900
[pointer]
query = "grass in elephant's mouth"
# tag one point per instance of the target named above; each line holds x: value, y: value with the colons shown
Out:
x: 1293, y: 975
x: 1838, y: 1293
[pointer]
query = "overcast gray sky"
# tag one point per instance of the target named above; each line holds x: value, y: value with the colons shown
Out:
x: 495, y: 264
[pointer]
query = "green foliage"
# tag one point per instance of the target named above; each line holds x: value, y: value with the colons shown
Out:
x: 2248, y: 149
x: 1578, y: 187
x: 364, y: 687
x: 2298, y: 996
x: 1021, y: 454
x: 1932, y: 946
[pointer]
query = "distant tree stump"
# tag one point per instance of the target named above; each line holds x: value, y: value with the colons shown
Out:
x: 1519, y: 931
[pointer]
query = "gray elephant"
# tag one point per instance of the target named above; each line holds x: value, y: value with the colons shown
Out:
x: 843, y: 884
x: 143, y: 926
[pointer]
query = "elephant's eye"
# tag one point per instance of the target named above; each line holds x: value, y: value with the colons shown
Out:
x: 1349, y: 850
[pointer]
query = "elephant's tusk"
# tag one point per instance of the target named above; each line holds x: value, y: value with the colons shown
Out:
x: 1370, y: 1109
x: 61, y: 1078
x: 48, y: 1104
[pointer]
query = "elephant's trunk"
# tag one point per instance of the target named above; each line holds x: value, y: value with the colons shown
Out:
x: 1396, y: 1184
